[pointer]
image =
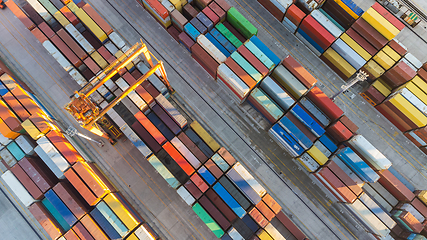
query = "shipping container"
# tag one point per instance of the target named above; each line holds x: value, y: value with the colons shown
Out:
x: 64, y: 147
x: 20, y: 15
x: 346, y: 179
x: 316, y: 31
x: 70, y: 198
x: 355, y: 163
x: 381, y: 24
x: 253, y: 60
x: 369, y: 33
x: 295, y: 132
x: 307, y: 120
x: 214, y: 212
x: 379, y: 198
x: 159, y: 11
x: 204, y: 59
x: 60, y: 206
x: 55, y: 214
x: 326, y: 23
x: 81, y: 187
x: 38, y: 172
x: 265, y: 210
x: 267, y: 107
x: 285, y: 140
x: 339, y: 132
x: 348, y: 54
x: 277, y: 93
x: 27, y: 182
x: 185, y: 195
x: 228, y: 35
x: 229, y: 200
x: 395, y: 186
x: 104, y: 224
x: 287, y: 80
x: 308, y: 162
x: 198, y: 209
x: 241, y: 23
x: 222, y: 40
x: 369, y: 152
x: 206, y: 150
x: 48, y: 148
x: 244, y: 186
x: 44, y: 218
x: 93, y: 228
x: 57, y: 55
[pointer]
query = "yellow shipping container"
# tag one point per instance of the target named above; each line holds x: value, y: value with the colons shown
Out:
x: 417, y: 92
x: 61, y: 18
x: 423, y: 196
x: 381, y: 88
x: 99, y: 59
x: 409, y: 110
x: 132, y: 237
x: 391, y: 53
x: 420, y: 83
x: 384, y: 60
x: 32, y: 130
x: 124, y: 215
x: 347, y: 9
x: 381, y: 24
x: 72, y: 6
x: 355, y: 46
x: 205, y: 136
x: 339, y: 62
x: 385, y: 84
x: 177, y: 4
x: 317, y: 155
x: 263, y: 235
x: 374, y: 68
x: 94, y: 28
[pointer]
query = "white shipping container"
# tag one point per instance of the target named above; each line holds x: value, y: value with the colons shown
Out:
x: 143, y: 234
x: 276, y: 92
x: 171, y: 110
x: 409, y: 64
x: 103, y: 90
x: 413, y: 60
x: 53, y: 154
x: 249, y: 179
x: 213, y: 51
x: 111, y: 47
x: 368, y: 218
x: 48, y: 161
x: 96, y: 97
x: 234, y: 234
x: 409, y: 208
x: 78, y: 77
x: 289, y: 24
x: 41, y: 11
x: 17, y: 188
x: 128, y: 104
x: 281, y: 5
x: 26, y: 144
x: 420, y: 105
x: 137, y: 142
x: 270, y: 229
x: 185, y: 152
x: 381, y: 214
x: 185, y: 195
x: 117, y: 40
x: 369, y: 152
x: 287, y: 80
x: 168, y: 5
x: 326, y: 23
x: 323, y: 149
x: 233, y: 80
x: 308, y: 162
x: 110, y: 85
x: 79, y: 38
x: 418, y: 139
x: 136, y: 99
x: 8, y: 157
x: 4, y: 141
x: 57, y: 55
x: 348, y: 54
x: 377, y: 197
x: 384, y: 193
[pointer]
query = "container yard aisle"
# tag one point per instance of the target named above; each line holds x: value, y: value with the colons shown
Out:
x: 235, y: 129
x: 158, y: 203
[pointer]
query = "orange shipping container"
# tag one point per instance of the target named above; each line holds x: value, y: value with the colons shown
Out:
x: 299, y: 72
x: 16, y: 106
x: 88, y: 175
x: 147, y: 124
x: 178, y: 158
x: 82, y: 232
x: 20, y: 15
x: 295, y: 14
x: 93, y: 228
x: 42, y: 122
x: 64, y: 147
x: 26, y: 101
x: 9, y: 118
x: 6, y: 131
x: 97, y: 18
x: 81, y: 187
x: 39, y: 35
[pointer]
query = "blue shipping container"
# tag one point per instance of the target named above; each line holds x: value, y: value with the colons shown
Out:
x: 205, y: 21
x: 310, y: 40
x: 287, y: 141
x: 3, y: 89
x: 191, y: 31
x: 353, y: 6
x: 244, y: 186
x: 402, y: 179
x: 319, y: 115
x: 112, y: 219
x: 155, y: 120
x: 60, y: 207
x: 204, y: 172
x: 327, y: 142
x: 217, y: 44
x: 276, y: 60
x: 277, y: 93
x: 199, y: 26
x: 104, y: 224
x: 15, y: 150
x: 353, y: 161
x: 295, y: 132
x: 251, y: 224
x: 229, y: 200
x: 55, y: 214
x: 308, y: 121
x: 224, y: 42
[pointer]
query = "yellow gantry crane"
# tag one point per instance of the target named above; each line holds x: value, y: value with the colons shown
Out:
x: 87, y: 113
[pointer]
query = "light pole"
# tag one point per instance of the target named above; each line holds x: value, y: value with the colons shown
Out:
x: 71, y: 131
x: 360, y: 77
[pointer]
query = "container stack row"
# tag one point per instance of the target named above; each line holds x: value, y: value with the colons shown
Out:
x: 69, y: 197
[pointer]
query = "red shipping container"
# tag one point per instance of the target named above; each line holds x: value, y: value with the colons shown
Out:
x: 392, y: 79
x: 69, y: 15
x: 240, y: 72
x: 299, y: 72
x: 397, y: 47
x: 221, y: 205
x: 374, y: 95
x: 174, y: 32
x: 217, y: 10
x: 94, y: 68
x: 422, y: 74
x: 405, y: 71
x: 213, y: 168
x: 395, y: 186
x: 20, y: 15
x: 265, y: 210
x: 344, y: 178
x: 254, y: 61
x: 147, y: 124
x: 317, y: 32
x: 361, y: 41
x: 92, y: 180
x: 214, y: 212
x: 223, y: 4
x: 142, y: 92
x: 64, y: 147
x: 39, y: 35
x: 38, y: 172
x: 298, y: 234
x: 324, y: 103
x: 211, y: 15
x: 227, y: 156
x: 369, y: 33
x: 186, y: 40
x: 93, y: 228
x: 258, y: 217
x: 68, y: 53
x: 295, y: 14
x: 48, y: 223
x: 234, y: 31
x: 401, y: 115
x: 389, y: 16
x: 150, y: 89
x: 106, y: 54
x: 199, y: 182
x: 26, y: 181
x: 276, y: 12
x: 204, y: 59
x: 75, y: 47
x: 16, y: 106
x: 392, y: 117
x: 178, y: 158
x: 411, y: 221
x: 193, y: 189
x: 25, y: 100
x: 338, y: 185
x: 339, y: 132
x: 349, y: 124
x: 419, y: 206
x: 97, y: 18
x: 71, y: 235
x: 9, y: 118
x: 271, y: 203
x: 81, y: 187
x: 192, y: 147
x: 71, y: 198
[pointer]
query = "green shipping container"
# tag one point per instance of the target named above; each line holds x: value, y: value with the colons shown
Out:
x: 332, y: 20
x: 241, y: 23
x: 163, y: 171
x: 269, y: 105
x: 212, y: 225
x: 228, y: 35
x: 15, y: 150
x: 239, y: 59
x: 260, y: 55
x: 55, y: 214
